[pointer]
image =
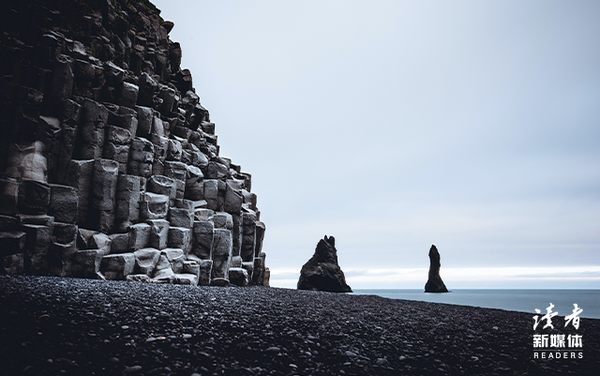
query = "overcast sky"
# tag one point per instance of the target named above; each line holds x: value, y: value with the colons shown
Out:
x: 394, y: 125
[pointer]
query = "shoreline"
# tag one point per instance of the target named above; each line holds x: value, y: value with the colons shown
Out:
x: 79, y: 326
x: 517, y: 300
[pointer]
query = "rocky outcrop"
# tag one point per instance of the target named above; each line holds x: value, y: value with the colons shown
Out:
x: 434, y: 283
x: 109, y: 164
x: 322, y: 272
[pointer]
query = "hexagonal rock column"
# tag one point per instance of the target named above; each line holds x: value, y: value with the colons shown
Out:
x: 139, y: 236
x: 267, y: 277
x: 34, y: 197
x: 181, y: 217
x: 194, y: 176
x: 159, y: 233
x: 223, y: 220
x: 248, y: 236
x: 62, y: 80
x: 146, y: 260
x: 161, y: 144
x: 116, y: 146
x: 145, y: 117
x: 91, y: 130
x: 64, y: 203
x: 27, y: 162
x: 258, y: 272
x: 205, y: 272
x: 154, y: 206
x: 176, y: 258
x: 185, y: 279
x: 221, y: 254
x: 12, y: 258
x: 126, y: 118
x: 119, y: 242
x: 62, y: 248
x: 238, y: 276
x: 87, y: 262
x: 174, y: 150
x: 104, y: 189
x: 128, y: 201
x: 178, y: 172
x: 259, y: 238
x: 237, y: 235
x: 211, y: 193
x: 249, y: 267
x: 9, y: 196
x: 162, y: 185
x: 192, y: 267
x: 203, y: 239
x: 129, y: 94
x: 79, y: 176
x: 163, y: 273
x: 141, y: 157
x: 118, y: 266
x: 233, y: 200
x: 13, y: 264
x: 37, y: 243
x: 180, y: 237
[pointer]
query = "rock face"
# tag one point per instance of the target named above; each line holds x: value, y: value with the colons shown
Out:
x: 434, y: 283
x: 109, y: 164
x: 322, y: 272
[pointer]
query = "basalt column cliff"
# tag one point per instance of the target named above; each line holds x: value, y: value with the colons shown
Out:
x: 109, y: 164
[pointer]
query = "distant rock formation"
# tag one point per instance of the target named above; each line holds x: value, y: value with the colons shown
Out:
x: 109, y: 164
x: 434, y: 283
x: 322, y: 272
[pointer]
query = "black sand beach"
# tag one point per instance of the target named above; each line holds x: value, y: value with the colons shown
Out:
x: 55, y: 326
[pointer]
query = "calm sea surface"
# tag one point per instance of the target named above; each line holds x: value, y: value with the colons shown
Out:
x: 512, y: 300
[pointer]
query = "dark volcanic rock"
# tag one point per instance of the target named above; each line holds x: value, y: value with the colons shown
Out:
x: 322, y: 272
x: 103, y: 134
x: 434, y: 283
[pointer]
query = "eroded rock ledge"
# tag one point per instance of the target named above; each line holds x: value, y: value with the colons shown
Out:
x: 109, y: 164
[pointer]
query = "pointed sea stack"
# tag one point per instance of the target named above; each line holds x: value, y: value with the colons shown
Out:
x: 322, y: 272
x: 434, y: 283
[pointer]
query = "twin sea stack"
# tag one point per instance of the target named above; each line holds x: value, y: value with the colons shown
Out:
x: 323, y: 273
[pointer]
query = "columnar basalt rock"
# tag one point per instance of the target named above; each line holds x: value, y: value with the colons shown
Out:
x: 434, y: 282
x: 109, y: 163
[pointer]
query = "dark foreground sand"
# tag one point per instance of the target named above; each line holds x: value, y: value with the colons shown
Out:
x: 54, y: 326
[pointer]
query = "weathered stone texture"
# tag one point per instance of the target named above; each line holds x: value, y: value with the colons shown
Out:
x: 109, y: 163
x: 322, y: 272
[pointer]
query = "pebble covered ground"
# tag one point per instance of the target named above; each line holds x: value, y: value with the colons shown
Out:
x: 56, y: 326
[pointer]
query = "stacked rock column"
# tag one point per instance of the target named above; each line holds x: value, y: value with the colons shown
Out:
x: 110, y: 166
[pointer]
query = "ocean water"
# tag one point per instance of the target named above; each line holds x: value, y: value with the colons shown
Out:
x: 511, y: 300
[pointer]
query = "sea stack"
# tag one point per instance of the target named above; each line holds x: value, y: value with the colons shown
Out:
x: 434, y: 283
x: 322, y: 272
